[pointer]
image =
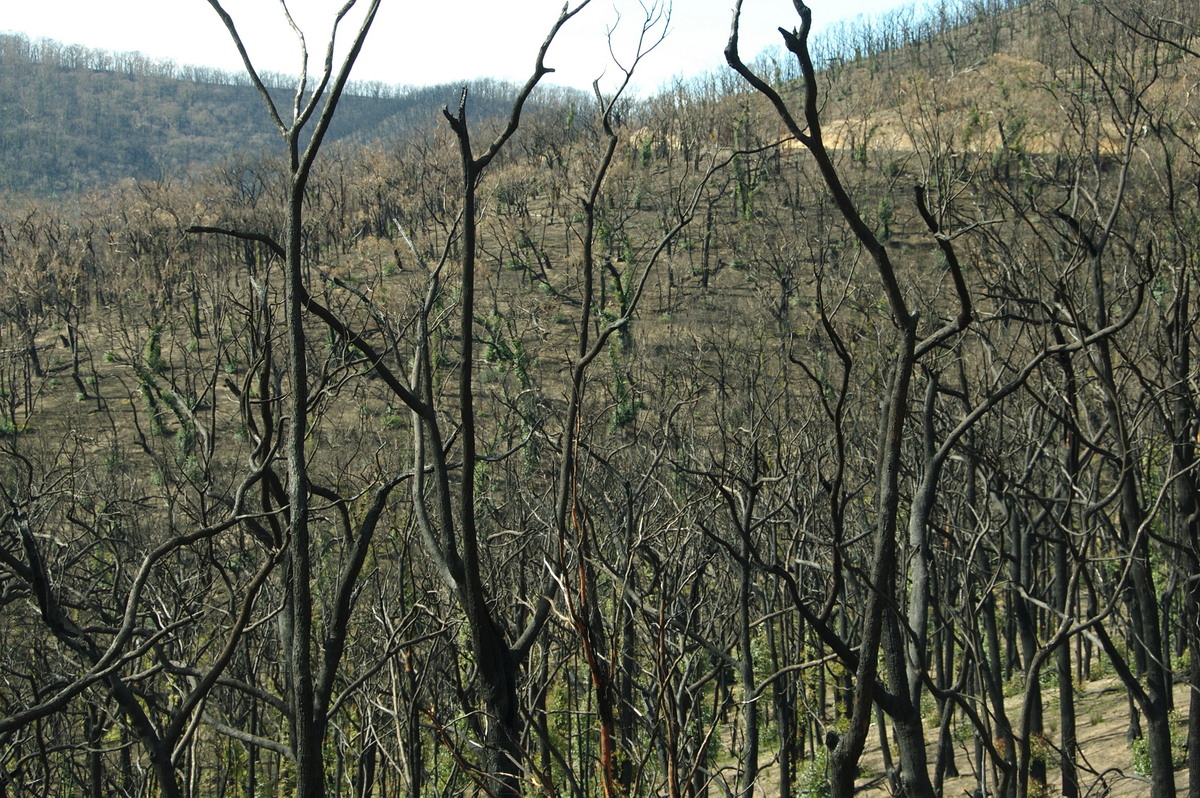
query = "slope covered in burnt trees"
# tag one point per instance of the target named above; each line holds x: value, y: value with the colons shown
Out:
x: 73, y: 118
x: 675, y: 448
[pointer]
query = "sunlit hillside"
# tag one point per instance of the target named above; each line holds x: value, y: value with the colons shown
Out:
x: 818, y: 427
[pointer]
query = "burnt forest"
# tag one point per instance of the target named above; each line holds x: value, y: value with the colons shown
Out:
x: 824, y: 425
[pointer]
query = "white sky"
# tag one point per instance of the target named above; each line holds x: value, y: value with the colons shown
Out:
x: 433, y: 41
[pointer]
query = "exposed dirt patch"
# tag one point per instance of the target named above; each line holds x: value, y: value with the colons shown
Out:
x: 1106, y: 758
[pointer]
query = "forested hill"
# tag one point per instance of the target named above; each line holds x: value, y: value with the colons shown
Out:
x: 73, y: 117
x: 790, y: 433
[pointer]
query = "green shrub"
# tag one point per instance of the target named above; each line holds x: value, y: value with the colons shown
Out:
x: 152, y: 354
x: 813, y: 779
x: 1141, y: 756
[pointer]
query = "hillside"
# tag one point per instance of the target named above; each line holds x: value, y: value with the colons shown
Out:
x: 791, y: 433
x: 73, y: 119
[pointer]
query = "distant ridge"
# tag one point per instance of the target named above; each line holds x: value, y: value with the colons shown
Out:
x: 74, y: 118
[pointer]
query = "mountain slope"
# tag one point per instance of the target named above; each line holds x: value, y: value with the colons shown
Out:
x: 72, y: 119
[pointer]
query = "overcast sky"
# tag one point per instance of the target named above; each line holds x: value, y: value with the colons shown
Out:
x: 426, y: 42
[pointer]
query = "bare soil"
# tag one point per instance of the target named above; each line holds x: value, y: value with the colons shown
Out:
x: 1106, y: 758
